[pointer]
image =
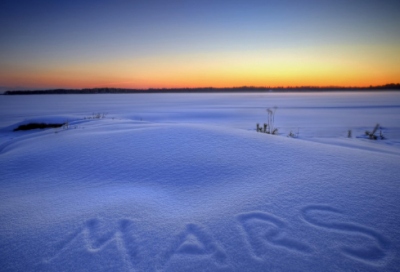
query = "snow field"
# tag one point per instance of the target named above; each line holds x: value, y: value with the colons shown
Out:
x: 195, y: 194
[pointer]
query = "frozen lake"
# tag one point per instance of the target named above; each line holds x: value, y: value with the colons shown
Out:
x: 321, y: 117
x: 183, y: 182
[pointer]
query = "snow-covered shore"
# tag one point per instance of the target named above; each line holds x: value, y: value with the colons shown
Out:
x: 181, y: 182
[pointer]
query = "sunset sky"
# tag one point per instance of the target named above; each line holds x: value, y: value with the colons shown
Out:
x: 171, y: 43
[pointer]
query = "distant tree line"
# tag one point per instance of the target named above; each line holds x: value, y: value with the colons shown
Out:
x: 205, y: 90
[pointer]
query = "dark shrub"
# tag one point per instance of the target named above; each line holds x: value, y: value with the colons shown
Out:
x: 37, y: 125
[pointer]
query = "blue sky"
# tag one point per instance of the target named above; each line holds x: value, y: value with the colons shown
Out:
x: 42, y: 35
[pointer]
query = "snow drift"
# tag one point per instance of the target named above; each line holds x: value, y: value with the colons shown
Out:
x: 120, y: 194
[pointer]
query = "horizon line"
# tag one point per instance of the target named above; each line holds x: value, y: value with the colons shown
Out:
x: 387, y: 87
x: 396, y: 85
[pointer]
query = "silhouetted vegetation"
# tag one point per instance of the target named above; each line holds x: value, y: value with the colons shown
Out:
x: 291, y: 135
x: 38, y: 125
x: 269, y: 126
x: 99, y: 115
x: 207, y: 90
x: 372, y: 136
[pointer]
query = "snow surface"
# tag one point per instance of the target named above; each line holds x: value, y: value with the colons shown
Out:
x: 183, y: 182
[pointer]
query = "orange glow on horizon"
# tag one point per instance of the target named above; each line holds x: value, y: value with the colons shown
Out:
x: 350, y: 67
